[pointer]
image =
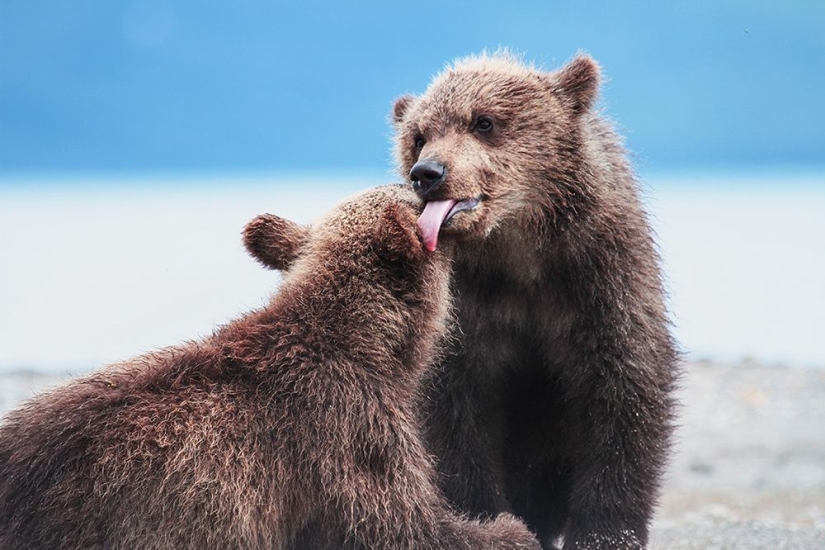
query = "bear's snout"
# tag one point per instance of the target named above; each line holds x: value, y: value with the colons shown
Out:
x: 426, y: 175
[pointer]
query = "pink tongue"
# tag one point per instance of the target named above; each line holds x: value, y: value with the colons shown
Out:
x: 430, y: 220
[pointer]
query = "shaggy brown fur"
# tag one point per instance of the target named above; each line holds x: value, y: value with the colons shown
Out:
x: 556, y: 402
x: 292, y: 426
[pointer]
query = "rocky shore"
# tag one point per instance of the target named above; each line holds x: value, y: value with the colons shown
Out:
x: 748, y: 470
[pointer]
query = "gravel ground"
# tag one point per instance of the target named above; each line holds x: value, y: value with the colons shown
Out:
x: 749, y: 467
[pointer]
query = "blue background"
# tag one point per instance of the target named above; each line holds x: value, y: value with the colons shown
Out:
x: 138, y: 136
x: 183, y: 86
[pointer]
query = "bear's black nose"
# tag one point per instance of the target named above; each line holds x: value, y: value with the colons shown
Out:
x: 427, y: 174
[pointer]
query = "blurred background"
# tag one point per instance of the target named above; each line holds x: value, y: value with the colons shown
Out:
x: 137, y: 137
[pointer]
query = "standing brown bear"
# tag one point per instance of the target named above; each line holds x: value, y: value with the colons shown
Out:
x: 291, y: 427
x: 555, y: 400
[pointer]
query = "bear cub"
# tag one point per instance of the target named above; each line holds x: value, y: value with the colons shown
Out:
x: 290, y: 427
x: 557, y: 402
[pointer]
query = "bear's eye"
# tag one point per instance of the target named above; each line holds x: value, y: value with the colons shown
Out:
x: 483, y: 124
x: 420, y: 141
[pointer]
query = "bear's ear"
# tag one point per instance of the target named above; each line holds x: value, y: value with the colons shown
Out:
x: 274, y: 241
x: 400, y: 108
x: 396, y: 236
x: 578, y: 81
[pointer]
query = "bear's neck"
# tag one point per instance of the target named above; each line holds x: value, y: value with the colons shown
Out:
x: 511, y: 255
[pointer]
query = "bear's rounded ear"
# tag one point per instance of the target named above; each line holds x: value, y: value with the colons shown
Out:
x: 397, y: 237
x: 400, y: 108
x: 578, y: 82
x: 274, y: 241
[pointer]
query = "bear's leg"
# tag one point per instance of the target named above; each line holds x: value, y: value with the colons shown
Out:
x: 464, y: 426
x: 621, y: 429
x: 540, y: 498
x: 403, y: 508
x: 537, y: 468
x: 390, y: 517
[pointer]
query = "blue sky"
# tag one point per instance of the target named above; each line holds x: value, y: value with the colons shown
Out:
x: 180, y: 86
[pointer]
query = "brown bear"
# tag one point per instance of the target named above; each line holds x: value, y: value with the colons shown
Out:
x: 555, y: 400
x: 291, y: 427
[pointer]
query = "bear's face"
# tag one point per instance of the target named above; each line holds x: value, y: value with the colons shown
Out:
x: 492, y: 142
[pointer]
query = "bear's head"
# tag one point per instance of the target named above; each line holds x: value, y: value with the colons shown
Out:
x: 363, y: 268
x: 494, y: 142
x: 376, y: 229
